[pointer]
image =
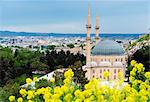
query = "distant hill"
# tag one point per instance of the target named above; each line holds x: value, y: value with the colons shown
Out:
x: 11, y: 33
x: 113, y: 36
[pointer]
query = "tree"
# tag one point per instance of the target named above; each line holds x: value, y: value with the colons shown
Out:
x: 142, y: 56
x: 51, y: 47
x: 79, y: 73
x: 70, y: 45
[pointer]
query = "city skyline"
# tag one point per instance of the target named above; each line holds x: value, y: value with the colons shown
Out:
x: 70, y: 16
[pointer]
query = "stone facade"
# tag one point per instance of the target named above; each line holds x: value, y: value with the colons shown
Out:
x: 111, y: 61
x: 112, y: 64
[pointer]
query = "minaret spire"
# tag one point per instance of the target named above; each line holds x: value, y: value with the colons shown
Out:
x: 88, y: 47
x: 88, y: 26
x: 97, y: 30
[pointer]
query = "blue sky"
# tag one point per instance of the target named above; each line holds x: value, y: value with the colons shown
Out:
x: 70, y: 16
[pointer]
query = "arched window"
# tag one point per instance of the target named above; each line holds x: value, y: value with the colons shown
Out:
x: 121, y: 59
x: 93, y: 71
x: 116, y: 59
x: 114, y: 76
x: 100, y: 70
x: 114, y: 70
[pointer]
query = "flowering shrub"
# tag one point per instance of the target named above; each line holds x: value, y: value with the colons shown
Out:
x: 137, y: 91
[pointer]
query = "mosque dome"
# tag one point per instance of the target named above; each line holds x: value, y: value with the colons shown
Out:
x: 107, y: 47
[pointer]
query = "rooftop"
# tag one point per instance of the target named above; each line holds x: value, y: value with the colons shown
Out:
x: 107, y: 47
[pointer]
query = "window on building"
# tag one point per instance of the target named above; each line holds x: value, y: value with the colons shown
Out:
x: 100, y: 76
x: 114, y: 70
x: 121, y: 59
x: 114, y: 76
x: 119, y: 70
x: 93, y: 76
x: 108, y: 70
x: 93, y: 71
x: 116, y: 59
x: 100, y: 71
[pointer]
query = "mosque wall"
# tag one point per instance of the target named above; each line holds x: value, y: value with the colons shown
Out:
x: 97, y: 72
x: 111, y: 59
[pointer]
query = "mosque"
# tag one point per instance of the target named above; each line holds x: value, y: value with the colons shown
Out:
x: 107, y: 55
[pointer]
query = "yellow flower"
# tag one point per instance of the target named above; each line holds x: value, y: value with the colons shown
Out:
x: 56, y: 96
x: 100, y: 98
x: 11, y: 98
x: 30, y: 101
x: 52, y: 80
x: 147, y: 75
x: 131, y: 78
x: 67, y: 81
x: 57, y: 90
x: 23, y: 92
x: 28, y: 80
x: 64, y: 89
x: 143, y: 99
x: 47, y: 95
x: 68, y: 97
x: 132, y: 73
x: 30, y: 94
x: 120, y: 75
x: 20, y: 99
x: 130, y: 99
x: 77, y: 93
x: 106, y: 74
x: 140, y: 67
x: 87, y: 93
x: 69, y: 73
x: 78, y: 100
x: 133, y: 62
x: 35, y: 79
x: 87, y: 100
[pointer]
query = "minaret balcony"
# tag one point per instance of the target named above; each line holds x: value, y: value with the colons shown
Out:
x: 97, y: 38
x: 97, y: 27
x: 88, y: 26
x: 88, y: 38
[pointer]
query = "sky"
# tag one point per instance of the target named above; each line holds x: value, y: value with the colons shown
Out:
x: 70, y: 16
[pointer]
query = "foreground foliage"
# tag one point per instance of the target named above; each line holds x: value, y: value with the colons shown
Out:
x: 137, y: 91
x: 143, y: 56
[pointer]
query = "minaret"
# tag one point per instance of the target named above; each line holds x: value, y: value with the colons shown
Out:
x: 88, y: 47
x: 97, y: 30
